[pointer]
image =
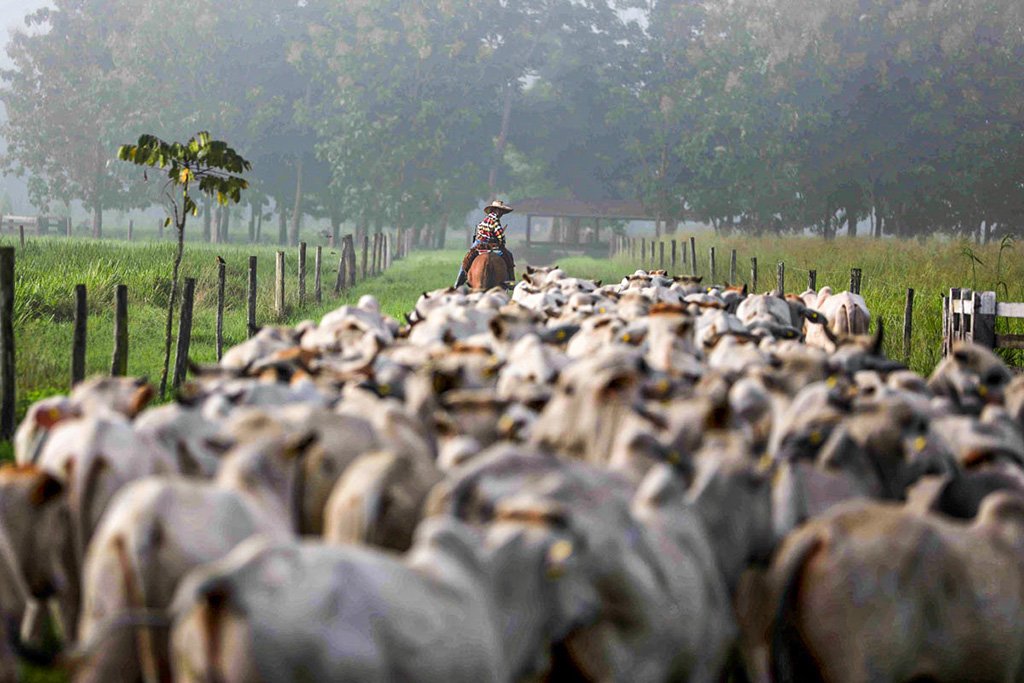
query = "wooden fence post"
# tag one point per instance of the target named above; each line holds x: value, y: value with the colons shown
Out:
x: 908, y: 324
x: 279, y: 285
x: 682, y: 248
x: 780, y: 279
x: 78, y: 338
x: 221, y: 277
x: 131, y: 229
x: 21, y: 236
x: 693, y: 255
x: 7, y: 368
x: 732, y: 268
x: 673, y: 256
x: 251, y: 298
x: 184, y: 333
x: 643, y: 252
x: 812, y: 280
x: 661, y: 255
x: 984, y: 319
x: 67, y: 227
x: 945, y: 326
x: 753, y: 274
x: 712, y: 267
x: 351, y: 261
x: 855, y: 275
x: 342, y: 278
x: 385, y: 247
x: 366, y: 249
x: 318, y: 295
x: 159, y: 229
x: 302, y: 274
x: 119, y: 362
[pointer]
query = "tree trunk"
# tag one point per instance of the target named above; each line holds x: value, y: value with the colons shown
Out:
x: 225, y: 228
x: 851, y: 222
x: 253, y: 209
x: 218, y: 221
x: 988, y: 232
x: 168, y: 328
x: 335, y: 229
x: 259, y: 224
x: 97, y: 219
x: 293, y: 234
x: 499, y: 147
x: 207, y: 219
x: 282, y: 224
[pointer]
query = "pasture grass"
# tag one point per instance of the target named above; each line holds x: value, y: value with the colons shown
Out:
x: 888, y: 268
x: 48, y: 268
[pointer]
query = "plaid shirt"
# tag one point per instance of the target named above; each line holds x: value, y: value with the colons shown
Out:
x: 490, y: 228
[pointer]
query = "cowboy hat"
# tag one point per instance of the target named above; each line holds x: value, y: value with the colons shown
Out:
x: 498, y: 205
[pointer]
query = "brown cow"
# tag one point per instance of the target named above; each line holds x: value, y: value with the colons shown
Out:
x: 876, y: 592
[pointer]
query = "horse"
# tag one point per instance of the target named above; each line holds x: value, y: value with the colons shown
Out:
x: 488, y: 270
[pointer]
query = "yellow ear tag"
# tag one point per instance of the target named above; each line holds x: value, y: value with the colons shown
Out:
x: 601, y: 310
x: 664, y: 386
x: 558, y: 553
x: 919, y: 443
x: 832, y: 381
x: 765, y: 462
x: 627, y: 338
x: 982, y: 391
x: 814, y: 438
x: 506, y: 423
x: 560, y: 336
x: 384, y: 389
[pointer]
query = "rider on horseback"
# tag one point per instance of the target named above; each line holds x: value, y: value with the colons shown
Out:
x: 489, y: 236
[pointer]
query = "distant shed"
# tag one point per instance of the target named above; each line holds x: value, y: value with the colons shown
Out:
x: 577, y: 224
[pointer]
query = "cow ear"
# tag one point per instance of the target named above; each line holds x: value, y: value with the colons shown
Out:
x: 298, y: 445
x: 45, y: 489
x: 140, y: 398
x: 498, y: 328
x: 615, y: 386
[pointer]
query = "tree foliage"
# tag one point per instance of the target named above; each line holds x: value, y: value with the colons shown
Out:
x: 758, y: 115
x: 201, y: 166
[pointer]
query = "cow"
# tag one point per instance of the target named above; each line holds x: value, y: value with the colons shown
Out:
x: 379, y: 499
x: 873, y: 591
x: 461, y: 605
x: 156, y: 531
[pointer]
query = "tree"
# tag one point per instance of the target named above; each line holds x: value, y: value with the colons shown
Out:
x: 210, y: 167
x: 67, y: 102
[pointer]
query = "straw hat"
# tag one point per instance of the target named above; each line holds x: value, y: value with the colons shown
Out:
x: 499, y: 206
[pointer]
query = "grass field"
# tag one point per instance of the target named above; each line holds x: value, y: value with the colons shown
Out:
x: 48, y: 269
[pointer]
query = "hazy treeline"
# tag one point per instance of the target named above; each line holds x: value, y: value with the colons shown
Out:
x: 759, y: 115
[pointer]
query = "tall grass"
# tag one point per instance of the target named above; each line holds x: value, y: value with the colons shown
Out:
x: 888, y: 267
x: 48, y: 269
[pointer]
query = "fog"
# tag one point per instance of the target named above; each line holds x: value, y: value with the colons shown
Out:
x: 891, y: 117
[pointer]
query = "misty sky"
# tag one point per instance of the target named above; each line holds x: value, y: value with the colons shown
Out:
x: 12, y: 14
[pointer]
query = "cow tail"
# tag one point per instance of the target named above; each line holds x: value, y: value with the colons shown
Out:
x: 136, y: 597
x: 789, y: 659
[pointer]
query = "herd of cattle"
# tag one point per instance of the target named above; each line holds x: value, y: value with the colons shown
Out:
x: 645, y: 481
